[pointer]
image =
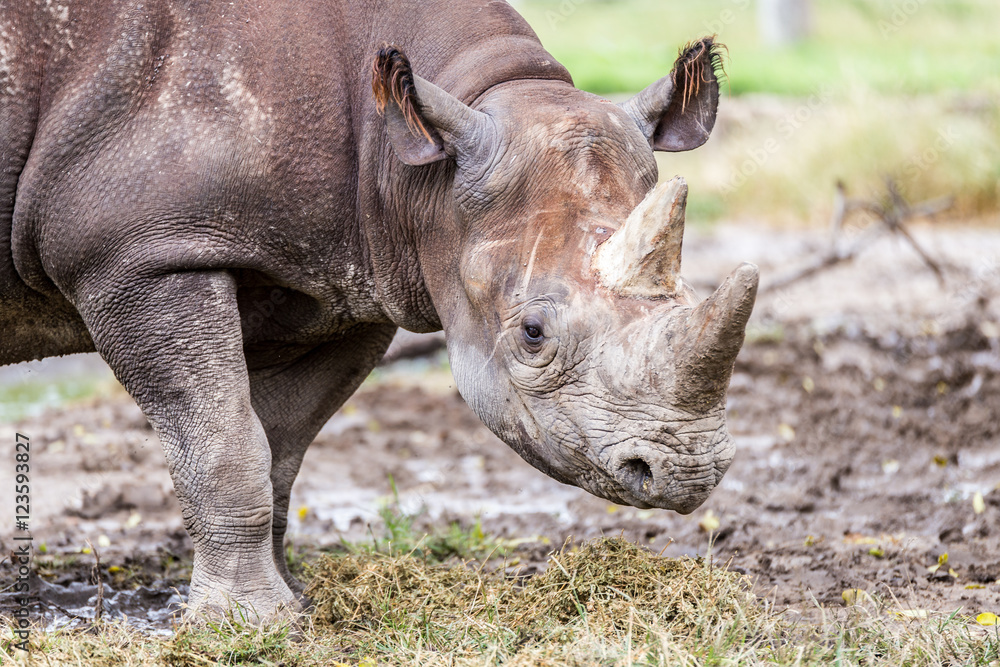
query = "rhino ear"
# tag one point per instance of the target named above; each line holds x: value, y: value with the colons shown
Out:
x: 412, y: 147
x: 424, y: 123
x: 677, y: 113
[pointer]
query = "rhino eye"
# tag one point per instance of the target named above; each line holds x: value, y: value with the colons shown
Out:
x: 532, y: 332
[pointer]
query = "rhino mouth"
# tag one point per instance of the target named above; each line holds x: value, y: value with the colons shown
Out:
x: 681, y: 500
x: 645, y: 475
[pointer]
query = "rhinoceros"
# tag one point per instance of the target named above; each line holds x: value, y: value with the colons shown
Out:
x: 238, y: 204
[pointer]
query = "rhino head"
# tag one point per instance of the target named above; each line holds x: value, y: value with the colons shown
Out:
x: 571, y: 332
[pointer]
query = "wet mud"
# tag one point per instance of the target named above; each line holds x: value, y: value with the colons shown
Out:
x: 868, y: 444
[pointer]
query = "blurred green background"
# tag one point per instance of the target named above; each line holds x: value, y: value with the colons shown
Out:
x: 906, y: 89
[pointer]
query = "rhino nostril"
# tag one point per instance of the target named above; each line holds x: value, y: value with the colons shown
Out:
x: 638, y: 474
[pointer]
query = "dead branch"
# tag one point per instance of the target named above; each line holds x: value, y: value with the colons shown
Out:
x: 892, y: 218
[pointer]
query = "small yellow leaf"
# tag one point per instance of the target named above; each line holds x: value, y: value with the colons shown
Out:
x: 978, y: 504
x: 103, y: 541
x: 940, y: 461
x: 612, y: 509
x: 810, y: 540
x: 855, y: 596
x: 879, y: 384
x: 786, y: 432
x: 953, y: 573
x: 878, y: 552
x: 897, y: 411
x: 988, y: 618
x: 134, y: 519
x: 709, y: 522
x: 85, y: 550
x: 973, y: 587
x: 942, y: 387
x: 114, y: 569
x: 303, y: 513
x: 942, y: 559
x: 808, y: 384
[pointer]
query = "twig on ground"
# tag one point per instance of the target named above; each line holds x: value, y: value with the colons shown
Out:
x: 99, y: 605
x: 892, y: 217
x: 65, y: 612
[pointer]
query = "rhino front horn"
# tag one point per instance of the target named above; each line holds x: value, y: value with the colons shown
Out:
x: 711, y: 338
x: 643, y: 258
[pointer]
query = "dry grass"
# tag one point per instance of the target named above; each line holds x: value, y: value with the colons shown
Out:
x: 607, y: 588
x: 777, y: 160
x: 608, y: 602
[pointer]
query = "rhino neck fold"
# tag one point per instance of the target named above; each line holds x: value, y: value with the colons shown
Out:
x: 412, y: 234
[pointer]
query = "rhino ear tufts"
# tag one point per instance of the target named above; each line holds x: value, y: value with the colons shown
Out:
x: 425, y: 124
x: 678, y: 112
x: 643, y: 258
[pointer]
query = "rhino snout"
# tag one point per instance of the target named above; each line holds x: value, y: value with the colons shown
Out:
x: 654, y: 476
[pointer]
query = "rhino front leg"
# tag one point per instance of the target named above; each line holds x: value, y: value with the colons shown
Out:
x: 295, y: 393
x: 175, y: 344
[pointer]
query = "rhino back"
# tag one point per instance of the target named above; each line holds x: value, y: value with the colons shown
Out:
x: 166, y: 135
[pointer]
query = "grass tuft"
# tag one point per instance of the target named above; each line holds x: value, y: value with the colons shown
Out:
x: 607, y: 588
x: 401, y: 536
x: 232, y: 640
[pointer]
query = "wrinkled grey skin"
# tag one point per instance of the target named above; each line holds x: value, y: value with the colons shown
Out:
x: 205, y: 194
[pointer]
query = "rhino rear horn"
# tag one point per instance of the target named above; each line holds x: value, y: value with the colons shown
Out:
x: 425, y: 124
x: 712, y: 337
x: 643, y: 258
x: 677, y: 113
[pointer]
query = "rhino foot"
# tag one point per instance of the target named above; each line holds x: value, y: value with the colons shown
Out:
x: 265, y: 604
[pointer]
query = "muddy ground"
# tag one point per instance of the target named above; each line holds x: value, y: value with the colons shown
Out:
x: 865, y: 407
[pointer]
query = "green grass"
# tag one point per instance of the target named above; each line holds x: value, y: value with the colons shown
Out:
x: 399, y: 535
x: 622, y: 46
x: 30, y: 398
